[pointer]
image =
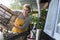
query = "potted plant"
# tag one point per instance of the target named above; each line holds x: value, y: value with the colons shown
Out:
x: 40, y: 23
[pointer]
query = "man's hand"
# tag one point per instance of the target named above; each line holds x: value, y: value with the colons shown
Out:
x: 17, y: 26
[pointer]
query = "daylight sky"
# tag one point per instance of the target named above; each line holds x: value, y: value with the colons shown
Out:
x: 5, y: 2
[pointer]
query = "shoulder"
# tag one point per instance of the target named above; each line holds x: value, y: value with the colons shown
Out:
x: 18, y: 11
x: 28, y: 18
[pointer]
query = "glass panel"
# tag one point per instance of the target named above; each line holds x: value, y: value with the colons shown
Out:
x: 58, y: 24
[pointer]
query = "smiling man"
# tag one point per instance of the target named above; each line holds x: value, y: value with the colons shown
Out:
x: 22, y: 21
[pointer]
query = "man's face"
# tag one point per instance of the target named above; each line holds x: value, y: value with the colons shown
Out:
x: 26, y: 10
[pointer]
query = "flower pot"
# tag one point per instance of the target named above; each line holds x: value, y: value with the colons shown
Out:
x: 38, y: 32
x: 30, y: 38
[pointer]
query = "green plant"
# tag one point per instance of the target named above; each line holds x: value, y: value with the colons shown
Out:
x: 40, y: 22
x: 16, y: 5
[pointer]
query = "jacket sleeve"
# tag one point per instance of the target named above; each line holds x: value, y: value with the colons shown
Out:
x: 26, y: 24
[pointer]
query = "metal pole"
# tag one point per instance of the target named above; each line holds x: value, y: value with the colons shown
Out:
x: 38, y: 5
x: 39, y: 13
x: 38, y: 32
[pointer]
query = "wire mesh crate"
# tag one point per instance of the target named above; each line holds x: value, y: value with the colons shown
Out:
x: 5, y: 15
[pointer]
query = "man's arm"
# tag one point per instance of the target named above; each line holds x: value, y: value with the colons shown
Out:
x: 25, y: 25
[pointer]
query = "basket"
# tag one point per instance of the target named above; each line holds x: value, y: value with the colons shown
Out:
x: 6, y: 15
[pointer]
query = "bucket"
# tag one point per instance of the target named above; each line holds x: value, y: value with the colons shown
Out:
x: 30, y: 38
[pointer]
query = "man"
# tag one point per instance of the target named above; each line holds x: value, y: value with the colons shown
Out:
x: 22, y: 21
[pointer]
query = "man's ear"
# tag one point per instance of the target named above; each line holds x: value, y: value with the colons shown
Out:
x: 29, y: 11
